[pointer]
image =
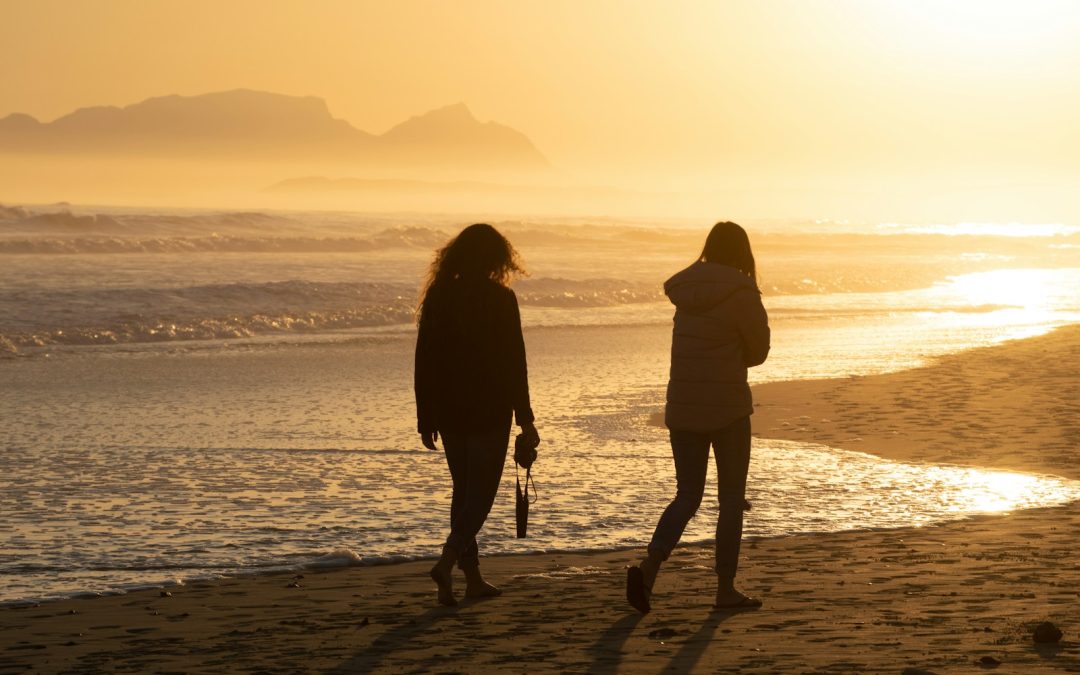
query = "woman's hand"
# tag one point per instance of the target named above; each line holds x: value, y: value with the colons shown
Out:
x: 525, y: 446
x: 428, y: 438
x: 529, y: 432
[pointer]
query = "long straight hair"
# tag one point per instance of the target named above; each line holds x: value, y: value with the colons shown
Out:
x: 729, y: 245
x: 477, y: 253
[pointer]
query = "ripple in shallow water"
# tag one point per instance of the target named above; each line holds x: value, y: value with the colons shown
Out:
x: 101, y: 519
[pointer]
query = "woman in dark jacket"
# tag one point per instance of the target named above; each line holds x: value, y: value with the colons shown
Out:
x: 471, y: 378
x: 721, y: 329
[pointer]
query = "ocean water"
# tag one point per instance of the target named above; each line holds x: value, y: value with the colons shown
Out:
x: 188, y: 394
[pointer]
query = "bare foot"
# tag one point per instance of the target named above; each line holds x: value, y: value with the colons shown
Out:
x: 733, y: 599
x: 481, y: 589
x: 440, y: 574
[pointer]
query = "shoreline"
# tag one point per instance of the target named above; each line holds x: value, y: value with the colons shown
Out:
x: 931, y: 596
x: 939, y: 597
x: 972, y: 396
x: 321, y: 564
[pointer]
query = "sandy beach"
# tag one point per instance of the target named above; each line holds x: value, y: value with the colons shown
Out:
x: 954, y: 598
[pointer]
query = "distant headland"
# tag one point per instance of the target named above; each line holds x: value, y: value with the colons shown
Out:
x: 243, y: 124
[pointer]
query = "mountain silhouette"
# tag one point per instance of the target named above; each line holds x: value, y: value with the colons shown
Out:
x: 244, y: 124
x: 452, y: 134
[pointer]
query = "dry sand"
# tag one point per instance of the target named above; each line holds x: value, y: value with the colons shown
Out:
x: 938, y: 598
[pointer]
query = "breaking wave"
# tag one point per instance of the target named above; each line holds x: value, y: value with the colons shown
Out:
x: 162, y: 330
x: 64, y: 221
x: 242, y: 310
x: 400, y: 237
x: 220, y: 311
x: 62, y: 231
x: 554, y: 292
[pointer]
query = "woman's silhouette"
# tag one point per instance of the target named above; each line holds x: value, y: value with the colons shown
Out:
x: 721, y: 329
x: 471, y: 378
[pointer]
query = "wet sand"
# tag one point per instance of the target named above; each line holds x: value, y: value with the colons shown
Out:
x: 942, y: 599
x: 1012, y: 406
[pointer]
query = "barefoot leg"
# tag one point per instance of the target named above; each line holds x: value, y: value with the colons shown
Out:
x: 476, y: 586
x: 441, y: 574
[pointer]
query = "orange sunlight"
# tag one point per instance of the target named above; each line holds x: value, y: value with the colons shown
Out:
x: 843, y: 109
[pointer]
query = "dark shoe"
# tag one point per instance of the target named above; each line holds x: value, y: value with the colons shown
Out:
x: 637, y: 592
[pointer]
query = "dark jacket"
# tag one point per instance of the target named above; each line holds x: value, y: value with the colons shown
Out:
x: 721, y: 329
x: 470, y: 359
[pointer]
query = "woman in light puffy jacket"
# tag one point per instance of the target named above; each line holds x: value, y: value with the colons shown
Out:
x: 721, y: 329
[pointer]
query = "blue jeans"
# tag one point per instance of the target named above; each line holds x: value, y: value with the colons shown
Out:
x: 476, y: 462
x: 731, y: 445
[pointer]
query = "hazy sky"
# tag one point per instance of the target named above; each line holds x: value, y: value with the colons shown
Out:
x: 809, y: 93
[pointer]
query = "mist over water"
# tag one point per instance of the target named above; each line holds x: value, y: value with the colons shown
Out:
x: 191, y: 393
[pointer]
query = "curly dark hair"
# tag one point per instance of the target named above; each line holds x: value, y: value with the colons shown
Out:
x: 478, y: 252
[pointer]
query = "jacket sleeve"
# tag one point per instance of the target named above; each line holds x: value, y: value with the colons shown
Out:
x: 518, y: 368
x: 425, y: 380
x: 753, y: 323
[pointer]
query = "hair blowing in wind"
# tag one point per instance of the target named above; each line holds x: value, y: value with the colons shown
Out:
x: 477, y: 252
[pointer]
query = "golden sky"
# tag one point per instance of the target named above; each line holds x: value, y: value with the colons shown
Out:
x: 804, y: 93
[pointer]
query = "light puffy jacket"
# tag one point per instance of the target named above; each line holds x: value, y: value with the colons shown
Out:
x: 721, y: 329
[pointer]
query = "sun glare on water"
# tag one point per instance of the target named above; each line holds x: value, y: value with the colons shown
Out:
x: 1007, y: 304
x: 993, y: 492
x: 1030, y: 289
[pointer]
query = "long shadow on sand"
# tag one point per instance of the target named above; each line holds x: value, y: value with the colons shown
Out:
x: 685, y: 660
x: 394, y: 639
x: 607, y: 652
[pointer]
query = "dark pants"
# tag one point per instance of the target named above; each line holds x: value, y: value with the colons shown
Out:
x: 731, y: 445
x: 476, y: 462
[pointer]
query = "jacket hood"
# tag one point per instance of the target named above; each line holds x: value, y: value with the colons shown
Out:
x: 704, y: 285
